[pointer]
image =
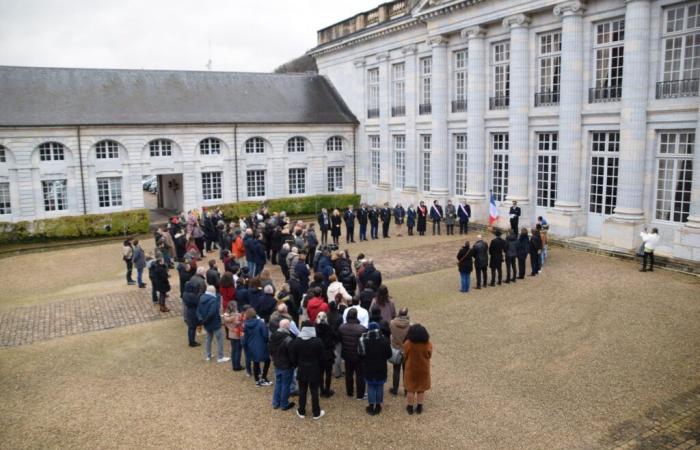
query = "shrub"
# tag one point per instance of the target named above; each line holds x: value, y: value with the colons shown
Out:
x: 292, y: 205
x: 75, y: 227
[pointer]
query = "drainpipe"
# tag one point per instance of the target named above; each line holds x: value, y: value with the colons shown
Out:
x: 354, y: 160
x: 235, y: 156
x: 82, y: 176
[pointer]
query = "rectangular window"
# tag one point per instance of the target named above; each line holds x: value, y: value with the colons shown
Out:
x: 211, y: 185
x: 398, y: 90
x: 373, y: 93
x: 609, y: 56
x: 374, y: 148
x: 55, y: 196
x: 297, y: 181
x: 500, y: 146
x: 460, y: 164
x: 501, y: 74
x: 335, y: 179
x: 681, y: 52
x: 256, y: 183
x: 109, y: 192
x: 547, y: 157
x: 549, y: 68
x: 426, y: 70
x: 106, y: 150
x: 5, y: 202
x: 674, y: 183
x: 605, y: 163
x: 425, y: 140
x: 459, y: 103
x: 399, y: 161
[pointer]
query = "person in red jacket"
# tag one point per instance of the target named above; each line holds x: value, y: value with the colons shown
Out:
x: 227, y: 289
x: 316, y: 304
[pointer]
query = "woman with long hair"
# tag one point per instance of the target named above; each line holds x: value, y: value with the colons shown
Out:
x: 384, y: 303
x: 325, y: 333
x: 417, y: 351
x: 227, y: 290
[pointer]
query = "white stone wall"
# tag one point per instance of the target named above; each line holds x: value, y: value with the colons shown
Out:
x: 24, y: 171
x: 482, y: 24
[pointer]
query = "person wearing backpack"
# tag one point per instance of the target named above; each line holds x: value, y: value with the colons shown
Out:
x: 374, y: 349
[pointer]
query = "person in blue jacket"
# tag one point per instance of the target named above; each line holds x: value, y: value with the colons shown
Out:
x: 209, y: 315
x: 410, y: 219
x: 255, y: 343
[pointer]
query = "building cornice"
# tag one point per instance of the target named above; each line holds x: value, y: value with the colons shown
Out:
x: 569, y: 8
x: 434, y: 8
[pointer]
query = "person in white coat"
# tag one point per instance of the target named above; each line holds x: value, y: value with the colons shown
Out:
x: 651, y: 240
x: 336, y: 287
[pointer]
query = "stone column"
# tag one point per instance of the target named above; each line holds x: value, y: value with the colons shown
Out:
x: 519, y: 108
x: 411, y: 100
x: 384, y: 114
x: 633, y: 114
x: 622, y: 229
x: 439, y: 177
x: 567, y: 214
x: 477, y: 66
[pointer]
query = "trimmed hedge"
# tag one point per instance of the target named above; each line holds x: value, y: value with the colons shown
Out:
x: 291, y: 205
x: 76, y: 227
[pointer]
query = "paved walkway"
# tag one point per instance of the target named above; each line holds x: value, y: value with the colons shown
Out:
x: 26, y: 325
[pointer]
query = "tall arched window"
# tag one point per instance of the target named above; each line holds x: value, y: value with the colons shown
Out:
x: 106, y: 150
x: 51, y: 151
x: 334, y: 144
x: 296, y: 144
x: 210, y: 146
x: 160, y: 147
x: 255, y: 145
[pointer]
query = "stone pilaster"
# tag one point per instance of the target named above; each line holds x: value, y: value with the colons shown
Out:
x: 384, y: 114
x: 623, y: 227
x: 687, y: 239
x: 409, y: 53
x: 439, y: 148
x: 566, y: 219
x: 519, y: 108
x: 477, y: 66
x: 362, y: 162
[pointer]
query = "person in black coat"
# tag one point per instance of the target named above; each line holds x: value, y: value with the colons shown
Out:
x: 213, y: 275
x: 465, y: 265
x: 464, y: 212
x: 385, y: 214
x: 161, y: 283
x: 306, y: 354
x: 349, y: 218
x: 279, y: 348
x: 275, y: 245
x: 326, y: 333
x: 362, y: 218
x: 336, y: 221
x: 514, y: 214
x: 436, y: 215
x: 324, y: 224
x: 422, y: 213
x: 374, y: 350
x: 481, y: 260
x: 349, y: 334
x: 373, y: 217
x: 511, y: 256
x: 523, y: 251
x: 194, y: 288
x: 535, y: 249
x: 496, y: 250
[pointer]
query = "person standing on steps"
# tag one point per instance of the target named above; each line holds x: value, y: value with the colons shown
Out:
x: 436, y: 215
x: 514, y: 214
x: 651, y: 240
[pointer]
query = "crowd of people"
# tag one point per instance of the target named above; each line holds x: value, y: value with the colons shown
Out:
x: 331, y: 316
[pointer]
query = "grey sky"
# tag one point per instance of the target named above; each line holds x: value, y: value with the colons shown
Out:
x: 165, y: 34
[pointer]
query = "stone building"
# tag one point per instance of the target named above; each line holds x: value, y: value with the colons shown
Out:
x: 585, y: 113
x: 80, y: 141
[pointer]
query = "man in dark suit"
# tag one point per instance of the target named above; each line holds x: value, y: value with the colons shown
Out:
x: 373, y: 216
x: 514, y: 214
x: 436, y: 216
x: 481, y: 260
x: 496, y: 250
x: 385, y: 214
x: 324, y: 224
x: 464, y: 212
x: 362, y: 216
x: 349, y: 217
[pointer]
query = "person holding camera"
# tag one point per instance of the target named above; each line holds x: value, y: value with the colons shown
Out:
x: 650, y: 242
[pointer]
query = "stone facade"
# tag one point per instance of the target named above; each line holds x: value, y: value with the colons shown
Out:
x: 585, y: 95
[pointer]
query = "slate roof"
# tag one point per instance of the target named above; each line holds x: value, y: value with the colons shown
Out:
x: 36, y: 96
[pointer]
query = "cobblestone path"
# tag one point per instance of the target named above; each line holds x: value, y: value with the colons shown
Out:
x: 25, y: 325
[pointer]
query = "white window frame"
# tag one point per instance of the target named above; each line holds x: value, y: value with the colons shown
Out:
x: 297, y: 144
x: 460, y: 143
x: 549, y: 62
x: 334, y: 144
x: 460, y: 75
x: 501, y: 69
x: 500, y: 144
x: 55, y: 195
x: 609, y: 47
x: 426, y: 147
x: 109, y: 192
x: 5, y: 198
x: 160, y: 147
x: 375, y: 158
x: 605, y: 165
x: 674, y: 176
x: 426, y: 78
x: 681, y: 38
x: 297, y: 181
x: 255, y: 183
x: 107, y: 149
x: 398, y: 87
x: 335, y: 178
x: 210, y: 146
x: 52, y: 151
x: 255, y: 145
x: 373, y: 88
x: 212, y: 183
x: 399, y: 144
x: 547, y: 168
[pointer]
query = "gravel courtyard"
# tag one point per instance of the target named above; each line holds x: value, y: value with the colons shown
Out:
x: 591, y: 354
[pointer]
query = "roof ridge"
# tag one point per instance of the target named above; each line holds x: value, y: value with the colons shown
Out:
x: 306, y: 74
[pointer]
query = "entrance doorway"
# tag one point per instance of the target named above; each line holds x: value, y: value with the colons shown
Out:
x: 162, y: 196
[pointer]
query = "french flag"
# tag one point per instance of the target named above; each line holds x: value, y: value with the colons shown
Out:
x: 493, y: 210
